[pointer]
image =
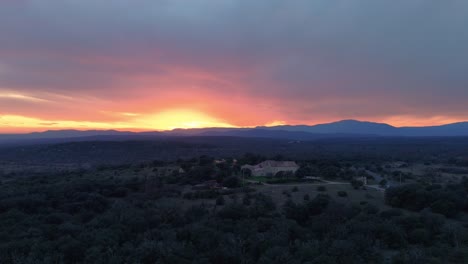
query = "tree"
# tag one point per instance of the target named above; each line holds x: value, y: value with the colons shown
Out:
x: 278, y: 157
x: 321, y: 188
x: 250, y: 158
x: 445, y: 207
x: 383, y: 183
x: 303, y: 171
x: 280, y: 174
x: 220, y: 200
x: 288, y: 174
x: 247, y: 172
x: 232, y: 182
x: 246, y: 200
x: 330, y: 172
x: 317, y: 205
x: 263, y: 205
x: 205, y: 160
x: 411, y: 196
x: 298, y: 212
x: 419, y: 236
x: 342, y: 194
x: 356, y: 184
x: 234, y: 212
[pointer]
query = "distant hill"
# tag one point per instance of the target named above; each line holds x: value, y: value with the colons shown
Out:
x: 379, y: 129
x: 279, y: 134
x: 340, y: 129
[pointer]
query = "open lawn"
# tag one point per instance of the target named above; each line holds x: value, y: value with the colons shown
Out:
x: 257, y: 179
x: 275, y: 180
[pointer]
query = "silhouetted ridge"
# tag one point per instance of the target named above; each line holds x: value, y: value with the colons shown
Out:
x: 343, y: 128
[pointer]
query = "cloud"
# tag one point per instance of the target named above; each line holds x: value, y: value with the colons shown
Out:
x: 22, y: 97
x: 246, y: 62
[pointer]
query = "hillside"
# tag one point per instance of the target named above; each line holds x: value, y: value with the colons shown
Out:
x: 340, y: 129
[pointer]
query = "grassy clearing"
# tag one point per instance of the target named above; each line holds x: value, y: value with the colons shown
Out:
x: 258, y: 179
x: 353, y: 196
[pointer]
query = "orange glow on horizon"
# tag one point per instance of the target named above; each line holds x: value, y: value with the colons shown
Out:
x: 165, y: 120
x: 179, y: 118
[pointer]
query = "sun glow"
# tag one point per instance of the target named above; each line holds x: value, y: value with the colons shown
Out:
x: 181, y: 118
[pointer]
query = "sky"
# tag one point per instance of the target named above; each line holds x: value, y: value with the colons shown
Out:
x: 163, y: 64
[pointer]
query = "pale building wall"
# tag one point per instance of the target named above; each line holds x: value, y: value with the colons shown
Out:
x: 264, y: 171
x: 273, y: 171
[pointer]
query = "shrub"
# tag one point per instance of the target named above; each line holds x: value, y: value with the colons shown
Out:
x: 419, y: 236
x: 445, y: 207
x: 387, y: 214
x: 234, y: 212
x: 342, y: 194
x: 298, y: 212
x: 412, y: 196
x: 371, y: 209
x: 195, y: 213
x: 208, y: 194
x: 321, y: 188
x: 119, y: 192
x: 232, y: 182
x: 383, y: 183
x: 263, y: 205
x: 246, y: 200
x: 317, y: 205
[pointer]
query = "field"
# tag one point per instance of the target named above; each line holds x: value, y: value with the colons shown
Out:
x: 281, y: 193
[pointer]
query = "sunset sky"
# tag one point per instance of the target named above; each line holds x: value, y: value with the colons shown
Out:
x: 163, y: 64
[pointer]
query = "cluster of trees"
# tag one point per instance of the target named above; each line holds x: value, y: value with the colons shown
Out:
x: 353, y: 150
x: 449, y: 200
x: 198, y: 170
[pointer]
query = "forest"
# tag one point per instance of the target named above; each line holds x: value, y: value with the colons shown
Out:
x: 129, y: 213
x: 117, y: 152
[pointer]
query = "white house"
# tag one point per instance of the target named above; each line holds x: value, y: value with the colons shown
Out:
x: 271, y: 167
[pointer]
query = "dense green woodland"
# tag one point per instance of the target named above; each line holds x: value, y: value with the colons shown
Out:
x: 116, y: 215
x: 172, y: 148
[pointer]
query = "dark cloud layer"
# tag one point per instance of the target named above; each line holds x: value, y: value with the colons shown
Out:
x: 303, y: 61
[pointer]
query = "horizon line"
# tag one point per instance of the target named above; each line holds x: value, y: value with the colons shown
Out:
x: 138, y: 130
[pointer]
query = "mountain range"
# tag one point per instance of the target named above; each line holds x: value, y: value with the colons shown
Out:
x: 340, y: 129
